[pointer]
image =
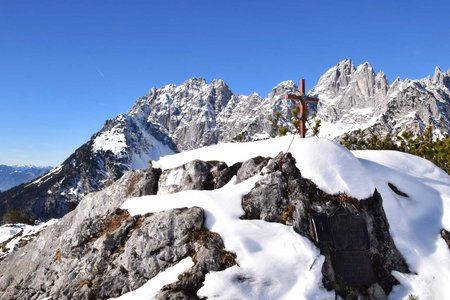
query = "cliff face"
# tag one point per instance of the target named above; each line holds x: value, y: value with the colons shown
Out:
x: 109, y: 246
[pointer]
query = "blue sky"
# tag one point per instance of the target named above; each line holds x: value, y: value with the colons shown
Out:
x: 67, y: 66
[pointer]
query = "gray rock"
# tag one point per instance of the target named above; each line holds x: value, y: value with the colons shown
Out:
x: 284, y: 196
x: 446, y: 236
x: 99, y: 251
x: 196, y: 175
x: 250, y: 168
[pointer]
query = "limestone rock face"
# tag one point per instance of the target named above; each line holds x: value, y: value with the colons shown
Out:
x: 99, y: 251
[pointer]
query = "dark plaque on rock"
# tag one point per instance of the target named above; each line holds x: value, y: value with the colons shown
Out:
x: 349, y: 232
x: 322, y: 233
x: 354, y: 267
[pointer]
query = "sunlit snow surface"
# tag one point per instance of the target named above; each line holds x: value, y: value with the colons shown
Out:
x: 152, y: 287
x: 328, y: 164
x: 416, y: 220
x: 112, y: 140
x: 275, y: 262
x: 14, y: 233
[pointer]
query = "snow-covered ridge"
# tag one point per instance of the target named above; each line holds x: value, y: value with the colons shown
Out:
x: 345, y: 176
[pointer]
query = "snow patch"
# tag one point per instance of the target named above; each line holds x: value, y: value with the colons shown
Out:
x: 112, y: 140
x: 154, y: 285
x: 14, y: 233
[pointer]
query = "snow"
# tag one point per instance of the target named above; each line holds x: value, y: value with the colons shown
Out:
x: 152, y: 287
x: 113, y: 140
x: 14, y: 233
x: 346, y: 175
x: 416, y: 221
x: 46, y: 177
x: 9, y: 230
x: 155, y: 150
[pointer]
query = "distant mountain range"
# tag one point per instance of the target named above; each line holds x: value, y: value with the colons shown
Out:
x: 175, y: 118
x: 11, y: 176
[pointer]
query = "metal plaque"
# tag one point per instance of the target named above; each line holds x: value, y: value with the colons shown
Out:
x: 354, y: 267
x: 348, y: 232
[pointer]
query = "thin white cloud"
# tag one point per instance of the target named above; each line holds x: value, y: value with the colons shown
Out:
x: 100, y: 72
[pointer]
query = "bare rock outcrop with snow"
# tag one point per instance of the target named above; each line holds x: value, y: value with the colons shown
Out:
x: 101, y: 251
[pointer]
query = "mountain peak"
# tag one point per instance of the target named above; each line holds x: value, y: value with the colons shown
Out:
x: 287, y: 86
x: 366, y: 67
x: 437, y: 74
x: 195, y: 81
x: 335, y: 78
x: 441, y: 78
x: 345, y: 62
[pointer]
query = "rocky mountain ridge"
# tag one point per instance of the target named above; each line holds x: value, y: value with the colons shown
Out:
x: 357, y: 98
x: 194, y: 114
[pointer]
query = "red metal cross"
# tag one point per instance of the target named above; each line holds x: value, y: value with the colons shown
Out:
x: 303, y: 102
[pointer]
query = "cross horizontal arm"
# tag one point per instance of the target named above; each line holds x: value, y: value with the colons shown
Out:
x: 304, y: 98
x: 311, y: 99
x: 292, y: 96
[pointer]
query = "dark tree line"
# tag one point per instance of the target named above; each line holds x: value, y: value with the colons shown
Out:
x: 423, y: 145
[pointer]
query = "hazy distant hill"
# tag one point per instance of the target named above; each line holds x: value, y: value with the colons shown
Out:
x: 11, y: 176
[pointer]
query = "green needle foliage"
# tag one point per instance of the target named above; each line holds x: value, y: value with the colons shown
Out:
x: 276, y: 119
x: 423, y: 145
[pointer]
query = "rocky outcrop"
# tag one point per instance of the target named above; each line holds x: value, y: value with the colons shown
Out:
x: 100, y: 251
x: 284, y: 196
x: 196, y: 175
x: 446, y: 236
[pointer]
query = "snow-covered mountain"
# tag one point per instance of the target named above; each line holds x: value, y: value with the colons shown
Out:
x: 355, y: 98
x: 248, y: 221
x: 167, y: 120
x: 175, y: 118
x: 11, y: 176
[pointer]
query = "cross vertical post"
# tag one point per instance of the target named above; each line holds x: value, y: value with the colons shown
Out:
x: 303, y: 99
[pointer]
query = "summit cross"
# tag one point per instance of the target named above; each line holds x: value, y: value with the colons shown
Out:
x: 303, y: 102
